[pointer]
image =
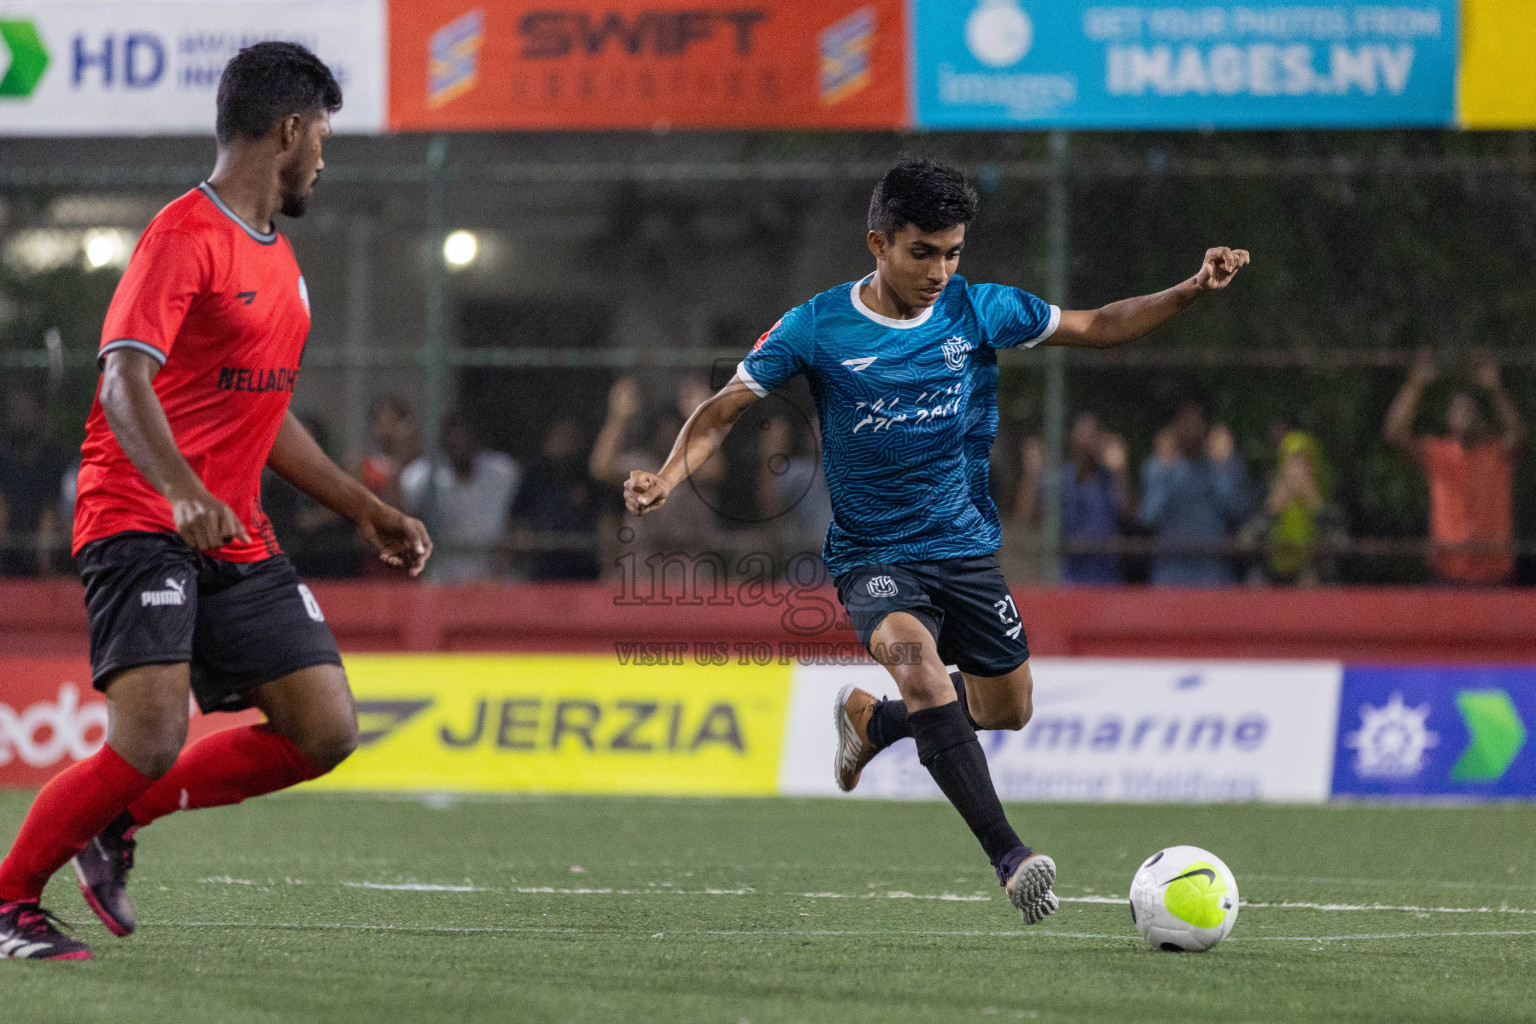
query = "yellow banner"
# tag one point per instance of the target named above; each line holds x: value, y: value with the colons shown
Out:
x: 564, y: 724
x: 1498, y: 71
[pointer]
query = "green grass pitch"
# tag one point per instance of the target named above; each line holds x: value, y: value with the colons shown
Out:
x: 321, y: 908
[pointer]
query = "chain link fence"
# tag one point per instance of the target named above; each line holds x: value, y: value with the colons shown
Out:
x: 486, y: 294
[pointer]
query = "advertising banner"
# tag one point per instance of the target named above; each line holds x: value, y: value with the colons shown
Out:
x: 50, y: 717
x: 647, y: 64
x: 678, y: 721
x: 1436, y: 732
x: 1124, y: 731
x: 142, y: 67
x: 1263, y: 63
x: 1498, y: 72
x: 564, y: 724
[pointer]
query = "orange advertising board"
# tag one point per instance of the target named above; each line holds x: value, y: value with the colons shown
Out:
x: 462, y: 65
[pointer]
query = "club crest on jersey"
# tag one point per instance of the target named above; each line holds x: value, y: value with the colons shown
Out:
x: 881, y: 586
x: 763, y: 340
x: 955, y: 351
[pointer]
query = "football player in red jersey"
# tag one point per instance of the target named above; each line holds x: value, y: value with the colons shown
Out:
x: 186, y: 587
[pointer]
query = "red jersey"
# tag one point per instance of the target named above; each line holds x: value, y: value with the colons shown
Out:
x: 224, y: 310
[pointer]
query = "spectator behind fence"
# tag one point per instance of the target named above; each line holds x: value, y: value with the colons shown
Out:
x: 559, y: 498
x: 1095, y: 500
x: 394, y: 442
x: 319, y: 543
x: 475, y: 488
x: 791, y: 491
x: 1194, y: 497
x: 31, y: 467
x: 690, y: 525
x: 1470, y: 470
x: 1298, y: 493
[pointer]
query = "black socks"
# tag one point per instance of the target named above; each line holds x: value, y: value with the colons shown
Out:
x: 889, y: 721
x: 947, y: 747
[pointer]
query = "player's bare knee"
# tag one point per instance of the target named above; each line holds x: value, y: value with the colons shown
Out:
x: 922, y: 684
x: 1014, y: 717
x: 331, y: 741
x: 150, y: 742
x: 152, y: 748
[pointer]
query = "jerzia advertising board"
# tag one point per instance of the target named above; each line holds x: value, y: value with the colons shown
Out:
x: 690, y: 723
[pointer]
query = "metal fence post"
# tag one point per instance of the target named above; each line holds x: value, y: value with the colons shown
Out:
x: 434, y: 353
x: 359, y: 337
x: 1055, y: 412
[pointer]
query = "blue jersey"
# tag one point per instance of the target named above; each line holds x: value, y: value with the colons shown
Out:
x: 908, y: 413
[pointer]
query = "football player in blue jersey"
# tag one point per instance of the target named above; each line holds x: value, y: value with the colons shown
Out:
x: 902, y: 366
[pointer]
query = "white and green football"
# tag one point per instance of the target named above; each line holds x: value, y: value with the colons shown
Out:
x: 1184, y: 900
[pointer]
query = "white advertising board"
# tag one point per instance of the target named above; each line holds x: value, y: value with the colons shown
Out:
x: 1109, y: 730
x: 152, y: 68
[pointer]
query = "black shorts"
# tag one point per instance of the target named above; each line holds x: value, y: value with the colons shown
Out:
x: 155, y: 601
x: 964, y: 602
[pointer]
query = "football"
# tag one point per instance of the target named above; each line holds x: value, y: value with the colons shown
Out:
x: 1184, y: 900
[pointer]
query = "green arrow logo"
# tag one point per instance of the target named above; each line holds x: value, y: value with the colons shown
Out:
x: 29, y: 58
x: 1497, y: 735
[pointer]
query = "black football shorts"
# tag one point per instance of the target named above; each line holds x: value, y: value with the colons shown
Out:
x: 964, y: 602
x: 155, y: 601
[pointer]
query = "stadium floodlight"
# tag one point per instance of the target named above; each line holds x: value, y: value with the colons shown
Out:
x: 105, y: 247
x: 460, y: 249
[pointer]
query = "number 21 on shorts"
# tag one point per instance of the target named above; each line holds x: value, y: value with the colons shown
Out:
x: 1008, y: 612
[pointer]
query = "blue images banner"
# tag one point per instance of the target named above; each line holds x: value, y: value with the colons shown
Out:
x: 1075, y: 64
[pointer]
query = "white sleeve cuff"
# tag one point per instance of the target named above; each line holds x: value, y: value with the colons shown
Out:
x: 746, y: 378
x: 1050, y: 328
x: 133, y: 343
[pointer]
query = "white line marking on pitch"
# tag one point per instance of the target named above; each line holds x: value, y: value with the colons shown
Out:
x: 551, y: 890
x: 1393, y: 883
x: 414, y: 887
x: 1330, y: 907
x: 547, y: 890
x: 817, y: 933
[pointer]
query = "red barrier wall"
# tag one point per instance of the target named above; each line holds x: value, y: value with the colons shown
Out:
x: 47, y: 618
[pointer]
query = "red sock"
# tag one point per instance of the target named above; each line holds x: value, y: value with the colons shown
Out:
x: 76, y: 804
x: 226, y: 768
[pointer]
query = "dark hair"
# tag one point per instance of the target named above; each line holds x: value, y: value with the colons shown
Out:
x: 922, y: 192
x: 264, y: 83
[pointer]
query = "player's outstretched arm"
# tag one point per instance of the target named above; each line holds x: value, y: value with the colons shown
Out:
x: 1129, y: 319
x: 138, y: 422
x: 699, y: 439
x: 401, y: 540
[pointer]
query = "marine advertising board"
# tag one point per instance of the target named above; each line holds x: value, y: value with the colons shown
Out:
x: 1112, y: 731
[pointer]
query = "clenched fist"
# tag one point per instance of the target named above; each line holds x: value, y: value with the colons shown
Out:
x: 1220, y: 266
x: 645, y: 492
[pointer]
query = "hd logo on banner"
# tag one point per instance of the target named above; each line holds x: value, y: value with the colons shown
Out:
x: 1457, y: 732
x: 995, y: 63
x: 142, y: 67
